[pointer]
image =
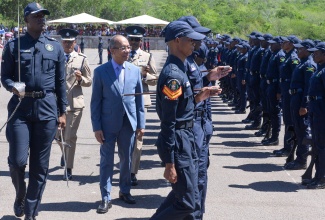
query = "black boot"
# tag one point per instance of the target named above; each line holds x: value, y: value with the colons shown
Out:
x: 18, y: 180
x: 265, y: 125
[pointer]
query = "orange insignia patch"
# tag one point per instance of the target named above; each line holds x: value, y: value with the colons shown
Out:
x: 172, y: 94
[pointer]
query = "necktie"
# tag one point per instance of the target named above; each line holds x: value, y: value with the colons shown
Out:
x: 67, y: 56
x: 132, y: 53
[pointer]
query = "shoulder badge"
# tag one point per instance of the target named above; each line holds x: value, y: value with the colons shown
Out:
x: 282, y: 59
x: 173, y: 89
x: 295, y: 61
x: 49, y: 47
x: 310, y: 69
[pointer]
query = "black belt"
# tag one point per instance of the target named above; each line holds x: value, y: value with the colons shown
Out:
x: 35, y: 95
x: 198, y: 113
x: 184, y: 124
x: 253, y: 72
x: 284, y: 80
x: 314, y: 98
x: 263, y: 76
x: 294, y: 91
x: 269, y: 81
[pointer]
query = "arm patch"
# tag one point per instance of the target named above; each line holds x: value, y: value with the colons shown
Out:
x: 173, y: 89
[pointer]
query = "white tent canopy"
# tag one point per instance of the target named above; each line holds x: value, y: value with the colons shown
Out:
x: 80, y: 19
x: 143, y: 19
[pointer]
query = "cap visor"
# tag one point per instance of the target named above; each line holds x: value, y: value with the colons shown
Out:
x: 284, y: 38
x: 45, y: 11
x: 298, y: 45
x: 69, y: 39
x: 261, y: 38
x: 202, y: 30
x: 139, y: 36
x: 195, y: 36
x: 313, y: 49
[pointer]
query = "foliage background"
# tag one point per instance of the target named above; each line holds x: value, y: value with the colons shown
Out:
x: 304, y: 18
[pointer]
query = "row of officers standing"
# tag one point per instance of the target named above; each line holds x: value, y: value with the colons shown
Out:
x: 279, y: 76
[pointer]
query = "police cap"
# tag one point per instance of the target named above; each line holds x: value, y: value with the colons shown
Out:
x: 194, y: 23
x: 305, y: 43
x: 243, y: 45
x: 68, y: 34
x: 256, y: 35
x: 177, y: 29
x: 292, y: 38
x: 33, y: 8
x: 319, y: 46
x: 135, y: 31
x: 275, y: 40
x: 266, y: 37
x: 252, y: 34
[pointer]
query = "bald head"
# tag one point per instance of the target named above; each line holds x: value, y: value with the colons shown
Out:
x: 120, y: 48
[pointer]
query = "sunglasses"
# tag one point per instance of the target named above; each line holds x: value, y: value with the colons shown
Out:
x: 137, y: 39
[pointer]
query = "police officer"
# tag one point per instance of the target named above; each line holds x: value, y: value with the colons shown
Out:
x: 82, y: 45
x: 109, y: 55
x: 42, y: 107
x: 240, y: 75
x: 266, y: 126
x: 288, y: 64
x: 299, y: 90
x: 316, y: 105
x: 175, y: 103
x: 233, y: 62
x: 100, y: 50
x: 147, y: 65
x: 273, y: 87
x: 78, y: 75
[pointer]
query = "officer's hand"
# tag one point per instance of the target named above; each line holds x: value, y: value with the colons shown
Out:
x: 218, y: 72
x: 206, y: 92
x: 99, y: 136
x: 78, y: 74
x: 303, y: 111
x: 145, y: 70
x: 140, y: 132
x: 233, y: 75
x: 278, y: 96
x: 243, y: 82
x: 170, y: 173
x: 62, y: 121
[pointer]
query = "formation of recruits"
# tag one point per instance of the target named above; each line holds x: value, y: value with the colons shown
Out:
x: 280, y: 75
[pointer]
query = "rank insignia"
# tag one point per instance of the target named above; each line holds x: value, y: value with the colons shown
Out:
x: 282, y: 59
x: 295, y: 62
x: 49, y: 47
x: 310, y: 69
x: 172, y: 90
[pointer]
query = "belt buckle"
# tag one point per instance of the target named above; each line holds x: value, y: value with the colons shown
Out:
x: 268, y: 81
x: 33, y: 94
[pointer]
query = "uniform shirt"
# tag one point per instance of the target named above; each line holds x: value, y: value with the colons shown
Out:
x: 100, y: 45
x: 174, y: 103
x: 42, y: 69
x: 288, y: 64
x: 317, y: 82
x: 241, y: 64
x: 265, y: 61
x: 301, y: 76
x: 256, y: 60
x: 273, y: 68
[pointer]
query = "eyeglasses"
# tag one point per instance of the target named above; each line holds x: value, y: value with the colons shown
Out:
x: 38, y: 15
x: 123, y: 49
x: 136, y: 39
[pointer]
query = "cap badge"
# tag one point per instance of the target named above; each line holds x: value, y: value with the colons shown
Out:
x: 135, y: 31
x: 49, y: 47
x: 67, y: 34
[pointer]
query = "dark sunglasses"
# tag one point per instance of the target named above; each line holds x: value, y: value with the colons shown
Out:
x: 137, y: 39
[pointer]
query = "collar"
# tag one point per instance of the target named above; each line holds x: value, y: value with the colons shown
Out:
x: 175, y: 60
x: 41, y: 38
x: 117, y: 65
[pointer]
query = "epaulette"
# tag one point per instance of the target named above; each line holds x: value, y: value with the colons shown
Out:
x: 83, y: 55
x: 51, y: 38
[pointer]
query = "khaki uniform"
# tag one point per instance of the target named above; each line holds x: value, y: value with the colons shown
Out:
x: 141, y: 58
x: 75, y: 101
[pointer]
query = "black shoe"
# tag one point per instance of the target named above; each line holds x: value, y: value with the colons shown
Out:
x: 262, y: 131
x: 68, y: 175
x: 162, y: 164
x: 19, y: 207
x: 62, y: 162
x: 317, y: 184
x: 104, y: 207
x: 282, y: 153
x: 252, y: 127
x: 231, y: 104
x: 271, y: 142
x: 126, y: 197
x: 295, y: 165
x: 134, y: 180
x: 235, y: 108
x: 240, y: 112
x: 30, y: 218
x: 247, y: 121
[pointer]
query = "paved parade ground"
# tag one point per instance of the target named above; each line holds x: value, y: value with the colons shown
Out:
x: 245, y: 180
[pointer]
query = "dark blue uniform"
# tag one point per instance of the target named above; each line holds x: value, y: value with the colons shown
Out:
x: 249, y: 89
x: 100, y: 50
x: 317, y: 119
x: 299, y: 90
x: 34, y: 125
x: 263, y: 84
x: 288, y: 64
x: 272, y: 77
x: 240, y: 75
x: 175, y: 105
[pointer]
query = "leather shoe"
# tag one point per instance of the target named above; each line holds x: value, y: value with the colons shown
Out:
x: 19, y: 207
x: 68, y: 175
x: 305, y: 182
x: 134, y: 180
x: 252, y: 127
x: 30, y: 218
x: 104, y: 207
x: 247, y: 121
x: 240, y: 112
x: 235, y: 108
x: 282, y: 153
x: 271, y: 142
x: 295, y: 165
x: 317, y: 184
x: 126, y: 197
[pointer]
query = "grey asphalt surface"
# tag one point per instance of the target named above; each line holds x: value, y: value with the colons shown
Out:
x: 245, y: 180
